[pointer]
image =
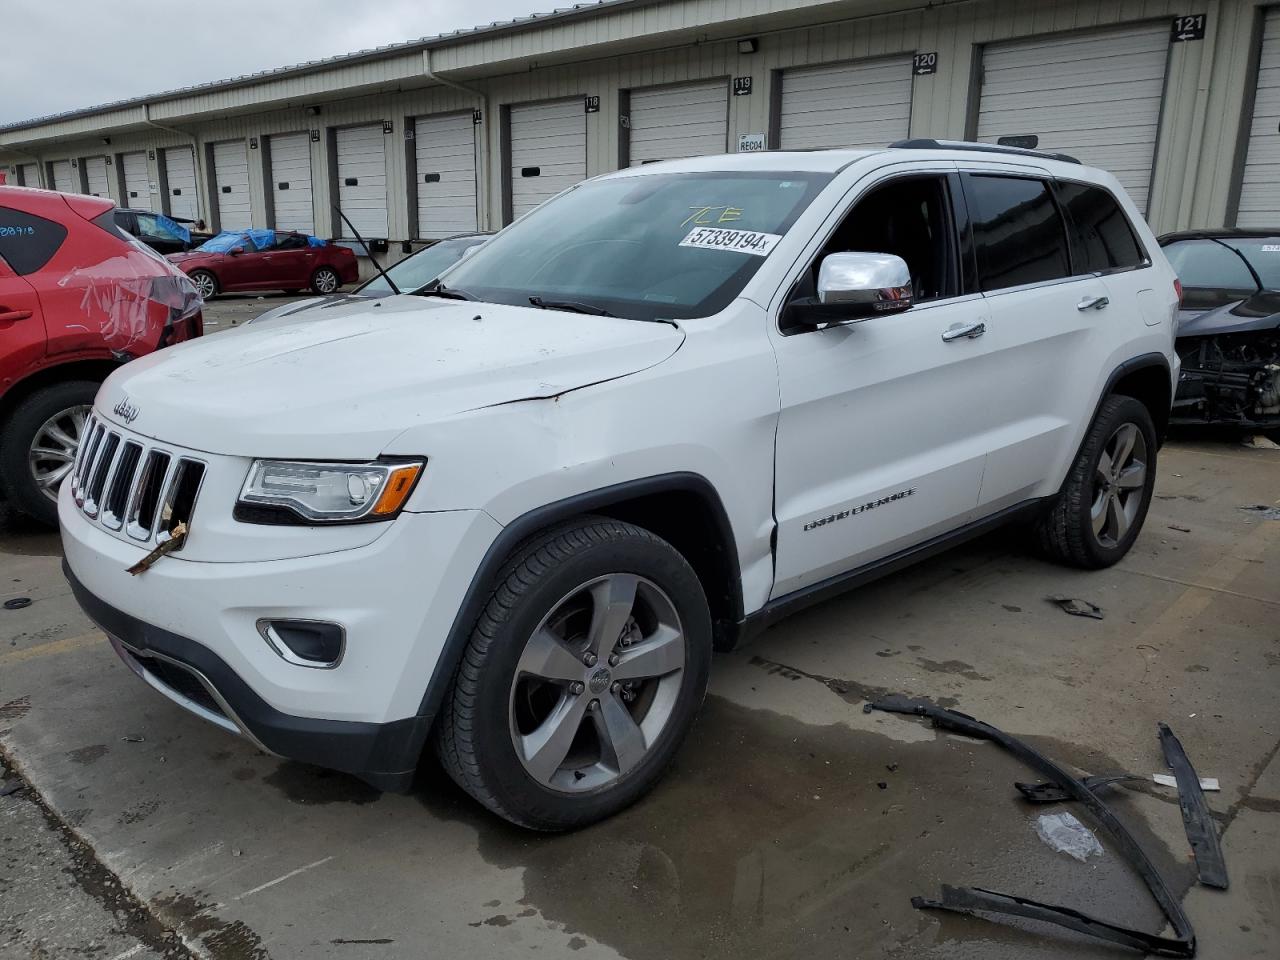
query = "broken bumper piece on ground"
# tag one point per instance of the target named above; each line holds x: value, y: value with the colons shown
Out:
x: 1201, y: 832
x: 989, y: 904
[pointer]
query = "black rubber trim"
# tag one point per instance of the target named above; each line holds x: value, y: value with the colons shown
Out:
x: 384, y: 755
x: 1132, y: 365
x: 486, y: 577
x: 798, y: 600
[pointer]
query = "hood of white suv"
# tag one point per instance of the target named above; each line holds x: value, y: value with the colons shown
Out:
x: 344, y: 384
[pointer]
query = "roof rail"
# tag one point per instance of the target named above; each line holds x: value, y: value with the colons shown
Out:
x: 924, y: 143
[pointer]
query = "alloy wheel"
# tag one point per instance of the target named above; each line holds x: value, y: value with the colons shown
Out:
x: 1119, y: 483
x: 326, y: 281
x: 205, y: 285
x: 597, y: 683
x: 54, y: 447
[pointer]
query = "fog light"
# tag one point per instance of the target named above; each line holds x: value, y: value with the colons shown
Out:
x: 305, y: 643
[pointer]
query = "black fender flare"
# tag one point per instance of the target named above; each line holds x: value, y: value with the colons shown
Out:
x: 513, y: 534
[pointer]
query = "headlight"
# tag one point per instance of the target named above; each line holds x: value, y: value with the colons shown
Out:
x: 287, y: 491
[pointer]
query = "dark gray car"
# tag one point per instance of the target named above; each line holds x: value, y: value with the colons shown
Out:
x: 1229, y: 327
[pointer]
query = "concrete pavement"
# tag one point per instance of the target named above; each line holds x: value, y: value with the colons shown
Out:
x: 792, y: 825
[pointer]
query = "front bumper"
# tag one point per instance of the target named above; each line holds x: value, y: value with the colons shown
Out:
x: 188, y: 627
x: 197, y: 679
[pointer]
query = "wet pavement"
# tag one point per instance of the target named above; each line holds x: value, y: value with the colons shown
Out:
x: 791, y: 824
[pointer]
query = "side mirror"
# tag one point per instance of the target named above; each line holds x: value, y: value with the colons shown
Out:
x: 236, y: 251
x: 853, y: 287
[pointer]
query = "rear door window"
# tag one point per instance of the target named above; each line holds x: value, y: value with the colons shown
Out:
x: 1019, y: 235
x: 28, y: 242
x: 1102, y: 237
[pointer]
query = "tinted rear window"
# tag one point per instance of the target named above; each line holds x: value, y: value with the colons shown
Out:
x: 28, y: 242
x: 1019, y: 234
x: 1104, y: 239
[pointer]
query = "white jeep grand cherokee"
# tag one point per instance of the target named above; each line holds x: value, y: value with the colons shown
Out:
x: 511, y: 515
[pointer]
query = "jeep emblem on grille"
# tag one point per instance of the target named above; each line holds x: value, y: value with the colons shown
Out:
x: 125, y: 410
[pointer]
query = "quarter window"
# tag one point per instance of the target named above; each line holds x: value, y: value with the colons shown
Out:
x: 1103, y: 238
x: 28, y: 242
x: 1019, y: 235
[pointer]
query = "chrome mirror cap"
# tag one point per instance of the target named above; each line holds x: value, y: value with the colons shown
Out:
x: 879, y: 282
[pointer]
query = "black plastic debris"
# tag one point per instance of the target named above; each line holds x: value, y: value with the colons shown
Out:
x: 17, y: 603
x: 1263, y: 511
x: 9, y: 787
x: 1196, y: 818
x: 1076, y: 607
x: 1047, y: 792
x: 990, y: 904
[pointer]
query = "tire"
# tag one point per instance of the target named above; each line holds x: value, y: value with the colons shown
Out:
x: 206, y: 283
x: 1067, y: 532
x: 325, y: 281
x: 539, y: 617
x: 54, y: 416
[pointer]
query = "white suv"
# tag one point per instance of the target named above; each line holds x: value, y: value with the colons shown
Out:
x: 511, y: 516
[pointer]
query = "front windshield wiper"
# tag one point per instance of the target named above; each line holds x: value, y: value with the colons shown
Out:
x: 438, y: 289
x: 572, y: 306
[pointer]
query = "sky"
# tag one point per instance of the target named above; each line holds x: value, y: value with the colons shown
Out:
x: 68, y: 54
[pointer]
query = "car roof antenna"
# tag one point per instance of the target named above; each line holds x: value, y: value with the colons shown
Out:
x: 391, y: 283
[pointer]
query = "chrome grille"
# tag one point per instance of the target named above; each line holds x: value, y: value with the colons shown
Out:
x: 126, y: 484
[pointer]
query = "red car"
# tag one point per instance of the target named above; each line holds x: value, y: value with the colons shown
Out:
x: 267, y: 260
x: 78, y: 297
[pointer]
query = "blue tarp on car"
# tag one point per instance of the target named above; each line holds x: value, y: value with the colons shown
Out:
x: 249, y: 240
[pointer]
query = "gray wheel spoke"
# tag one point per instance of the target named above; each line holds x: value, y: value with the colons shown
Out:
x: 1133, y: 477
x: 612, y: 602
x: 547, y: 746
x: 50, y: 453
x: 1098, y: 513
x: 654, y: 656
x: 52, y: 478
x: 1125, y: 438
x: 1104, y: 466
x: 545, y: 656
x: 60, y: 436
x: 1117, y: 521
x: 621, y: 737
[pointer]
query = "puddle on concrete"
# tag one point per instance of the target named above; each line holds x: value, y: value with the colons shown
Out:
x: 309, y: 785
x: 772, y: 838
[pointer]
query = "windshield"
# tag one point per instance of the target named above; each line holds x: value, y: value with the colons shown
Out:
x: 1220, y: 270
x: 417, y: 271
x: 656, y: 246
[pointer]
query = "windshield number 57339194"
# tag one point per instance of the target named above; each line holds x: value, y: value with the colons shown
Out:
x: 742, y: 241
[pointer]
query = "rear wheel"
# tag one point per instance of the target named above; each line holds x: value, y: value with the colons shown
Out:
x: 206, y: 284
x: 581, y: 678
x: 1100, y: 511
x: 325, y: 280
x: 38, y: 445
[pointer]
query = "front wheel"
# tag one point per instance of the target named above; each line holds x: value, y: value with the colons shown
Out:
x: 38, y: 445
x: 325, y: 280
x: 1101, y: 508
x: 581, y: 677
x: 206, y: 284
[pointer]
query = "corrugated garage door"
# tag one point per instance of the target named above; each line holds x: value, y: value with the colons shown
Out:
x: 180, y: 178
x: 548, y: 151
x: 362, y: 179
x: 291, y: 182
x: 689, y: 120
x: 136, y: 192
x: 64, y: 177
x: 865, y: 104
x: 95, y: 171
x: 231, y: 177
x: 1260, y: 189
x: 1095, y: 96
x: 29, y: 174
x: 446, y: 152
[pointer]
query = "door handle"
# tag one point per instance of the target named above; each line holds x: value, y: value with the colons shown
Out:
x: 8, y: 316
x: 968, y: 331
x: 1092, y: 303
